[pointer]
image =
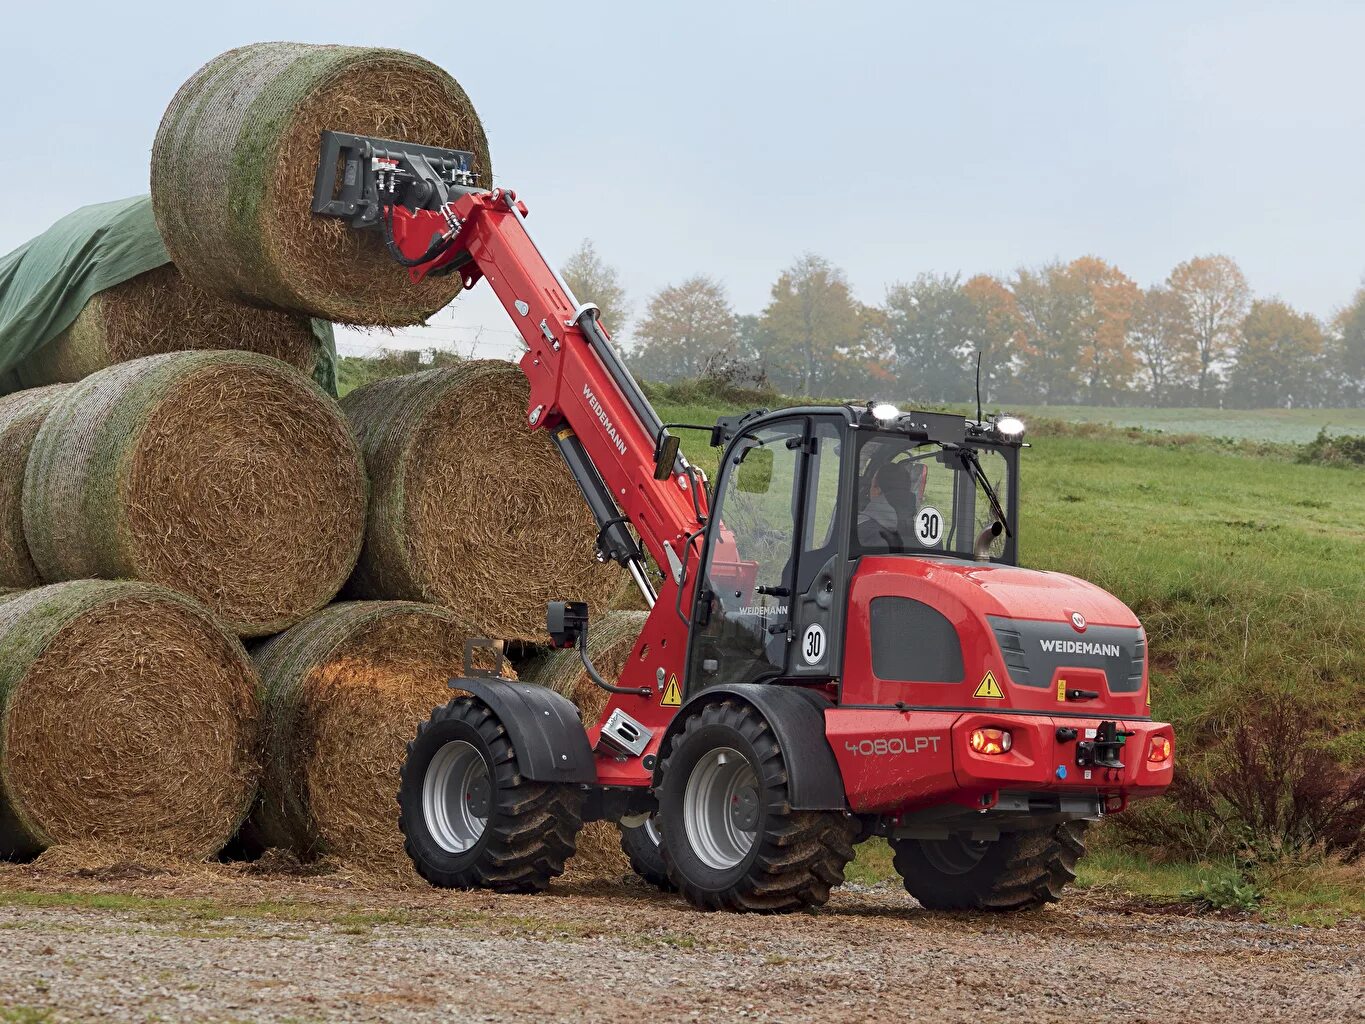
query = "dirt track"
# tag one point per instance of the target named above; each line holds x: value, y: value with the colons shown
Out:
x: 214, y: 947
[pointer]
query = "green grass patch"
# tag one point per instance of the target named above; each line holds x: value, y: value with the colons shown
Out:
x: 24, y: 1015
x: 871, y: 864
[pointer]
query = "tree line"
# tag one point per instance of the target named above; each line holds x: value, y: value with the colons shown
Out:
x: 1081, y: 332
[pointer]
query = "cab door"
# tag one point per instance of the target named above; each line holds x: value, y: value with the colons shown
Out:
x: 769, y: 603
x: 741, y: 624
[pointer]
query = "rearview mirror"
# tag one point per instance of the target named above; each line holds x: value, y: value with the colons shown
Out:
x: 666, y: 456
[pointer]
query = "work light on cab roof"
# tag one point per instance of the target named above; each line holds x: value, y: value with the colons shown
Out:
x: 841, y: 642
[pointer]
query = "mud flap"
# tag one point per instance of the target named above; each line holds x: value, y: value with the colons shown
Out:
x: 544, y: 728
x: 797, y: 718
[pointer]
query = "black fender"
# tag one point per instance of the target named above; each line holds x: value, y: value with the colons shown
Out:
x: 544, y: 728
x: 797, y: 718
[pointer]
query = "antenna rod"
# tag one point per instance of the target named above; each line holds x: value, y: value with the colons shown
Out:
x: 978, y: 385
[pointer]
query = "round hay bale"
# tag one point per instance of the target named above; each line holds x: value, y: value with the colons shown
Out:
x: 225, y: 475
x: 161, y: 312
x: 611, y: 639
x: 470, y: 509
x: 21, y: 415
x: 233, y: 168
x: 127, y: 717
x: 343, y: 693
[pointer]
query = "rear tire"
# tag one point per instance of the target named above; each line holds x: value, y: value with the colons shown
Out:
x: 469, y: 818
x: 731, y: 838
x: 642, y: 845
x: 1019, y: 871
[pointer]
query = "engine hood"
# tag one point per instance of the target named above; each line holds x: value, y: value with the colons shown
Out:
x: 1007, y: 591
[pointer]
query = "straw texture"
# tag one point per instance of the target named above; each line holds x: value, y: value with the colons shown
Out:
x: 343, y: 693
x: 471, y: 509
x: 127, y: 717
x: 226, y: 475
x: 160, y: 312
x: 233, y: 171
x: 21, y: 415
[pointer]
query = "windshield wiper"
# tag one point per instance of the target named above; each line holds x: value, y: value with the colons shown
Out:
x: 973, y: 464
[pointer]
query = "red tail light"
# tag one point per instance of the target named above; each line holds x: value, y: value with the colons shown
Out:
x: 1160, y: 750
x: 991, y: 741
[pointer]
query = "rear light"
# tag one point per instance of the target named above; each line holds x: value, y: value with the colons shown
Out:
x: 1160, y: 750
x: 991, y: 741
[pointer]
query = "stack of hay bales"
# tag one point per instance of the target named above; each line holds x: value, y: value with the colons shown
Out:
x: 343, y: 694
x: 21, y: 415
x: 180, y: 497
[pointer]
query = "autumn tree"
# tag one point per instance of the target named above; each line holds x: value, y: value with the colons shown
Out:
x: 1278, y: 358
x: 686, y: 328
x: 1107, y: 361
x: 1156, y: 332
x: 592, y: 280
x: 814, y: 334
x: 1074, y: 330
x: 923, y: 327
x: 1213, y: 296
x: 1348, y: 351
x: 990, y: 325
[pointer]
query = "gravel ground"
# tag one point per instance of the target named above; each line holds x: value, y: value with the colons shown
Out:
x: 220, y: 945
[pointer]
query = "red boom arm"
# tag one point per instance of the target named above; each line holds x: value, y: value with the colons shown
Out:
x: 579, y: 385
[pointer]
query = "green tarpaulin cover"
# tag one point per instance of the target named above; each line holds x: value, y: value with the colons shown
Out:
x: 45, y: 282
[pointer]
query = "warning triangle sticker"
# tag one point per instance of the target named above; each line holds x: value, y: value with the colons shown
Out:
x: 989, y: 688
x: 672, y: 694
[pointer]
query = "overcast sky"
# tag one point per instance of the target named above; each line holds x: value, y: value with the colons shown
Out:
x: 727, y: 138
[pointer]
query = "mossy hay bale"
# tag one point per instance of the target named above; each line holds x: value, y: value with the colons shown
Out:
x: 343, y: 693
x: 21, y: 415
x: 611, y: 639
x: 127, y: 717
x: 471, y: 509
x: 225, y: 475
x: 160, y: 312
x: 233, y: 170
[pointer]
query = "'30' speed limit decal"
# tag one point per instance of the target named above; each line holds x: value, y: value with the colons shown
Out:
x: 928, y: 526
x: 813, y: 644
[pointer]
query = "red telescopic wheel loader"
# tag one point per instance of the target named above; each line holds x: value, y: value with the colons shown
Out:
x: 841, y: 643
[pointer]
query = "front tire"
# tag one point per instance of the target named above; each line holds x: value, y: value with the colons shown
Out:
x: 732, y: 840
x: 643, y: 845
x: 469, y: 818
x: 1019, y: 871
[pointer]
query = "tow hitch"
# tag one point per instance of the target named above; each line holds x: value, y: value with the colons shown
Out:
x: 1103, y: 751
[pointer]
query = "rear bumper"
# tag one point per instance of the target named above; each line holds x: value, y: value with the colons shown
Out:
x: 893, y: 761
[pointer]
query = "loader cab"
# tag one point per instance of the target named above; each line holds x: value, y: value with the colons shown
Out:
x: 802, y: 495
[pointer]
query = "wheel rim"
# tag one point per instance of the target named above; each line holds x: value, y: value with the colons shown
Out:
x: 955, y: 855
x: 652, y: 831
x: 720, y: 808
x: 457, y: 796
